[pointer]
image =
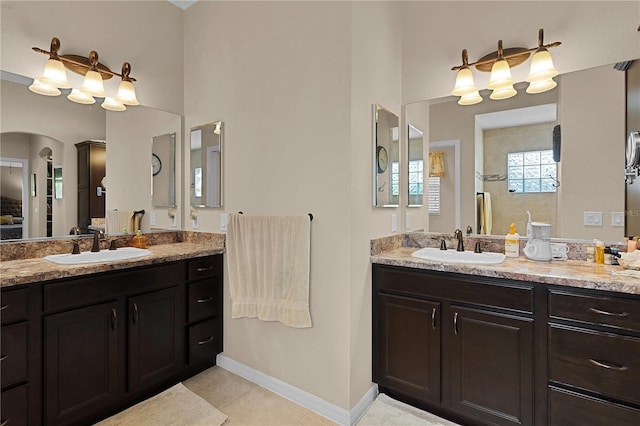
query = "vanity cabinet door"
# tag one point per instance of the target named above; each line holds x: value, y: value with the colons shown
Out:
x: 81, y: 362
x: 155, y: 337
x: 491, y: 358
x: 407, y: 346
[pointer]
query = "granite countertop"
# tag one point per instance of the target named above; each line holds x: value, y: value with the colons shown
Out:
x: 571, y: 273
x: 24, y: 271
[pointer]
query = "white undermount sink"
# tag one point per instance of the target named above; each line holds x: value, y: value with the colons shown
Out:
x: 121, y: 253
x: 461, y: 257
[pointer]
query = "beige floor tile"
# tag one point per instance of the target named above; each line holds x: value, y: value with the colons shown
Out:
x: 218, y: 386
x: 313, y: 419
x: 260, y: 407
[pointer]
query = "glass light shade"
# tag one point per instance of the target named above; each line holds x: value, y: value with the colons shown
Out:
x: 93, y: 85
x: 500, y: 76
x: 80, y: 97
x: 464, y: 83
x: 541, y: 67
x: 55, y: 74
x: 470, y: 98
x: 503, y: 93
x: 112, y: 105
x: 541, y: 86
x: 43, y: 89
x: 127, y: 93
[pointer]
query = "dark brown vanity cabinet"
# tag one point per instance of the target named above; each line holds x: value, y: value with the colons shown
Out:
x: 17, y: 364
x: 594, y: 358
x: 102, y: 342
x: 456, y: 345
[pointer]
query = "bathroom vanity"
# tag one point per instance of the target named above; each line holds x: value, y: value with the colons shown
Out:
x: 518, y: 343
x: 83, y: 346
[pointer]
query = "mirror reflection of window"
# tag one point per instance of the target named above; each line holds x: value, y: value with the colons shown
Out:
x: 415, y: 166
x: 197, y: 178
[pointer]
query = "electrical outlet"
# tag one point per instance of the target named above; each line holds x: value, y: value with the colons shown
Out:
x: 194, y: 223
x: 617, y: 218
x: 407, y: 221
x: 592, y: 218
x: 152, y: 218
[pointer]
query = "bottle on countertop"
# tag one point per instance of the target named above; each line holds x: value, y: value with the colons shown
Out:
x: 599, y: 252
x: 139, y: 240
x: 591, y: 254
x: 512, y: 242
x: 631, y: 244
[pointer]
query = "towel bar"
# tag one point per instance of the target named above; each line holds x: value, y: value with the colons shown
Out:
x: 310, y: 215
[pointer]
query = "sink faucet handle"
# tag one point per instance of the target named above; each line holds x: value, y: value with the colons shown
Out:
x: 113, y: 245
x: 443, y: 244
x: 478, y: 248
x: 76, y: 248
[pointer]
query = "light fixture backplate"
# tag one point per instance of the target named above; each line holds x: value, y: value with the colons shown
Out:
x: 85, y: 66
x: 520, y: 54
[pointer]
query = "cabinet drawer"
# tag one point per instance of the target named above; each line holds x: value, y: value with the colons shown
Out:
x: 14, y: 344
x: 569, y: 408
x: 203, y: 342
x: 14, y: 406
x: 610, y: 311
x: 204, y: 267
x: 600, y: 362
x: 203, y: 299
x: 14, y: 305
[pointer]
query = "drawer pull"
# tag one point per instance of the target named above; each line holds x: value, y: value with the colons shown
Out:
x: 208, y: 299
x: 455, y: 323
x: 205, y: 341
x: 206, y: 268
x: 433, y: 318
x: 114, y: 319
x: 608, y: 365
x: 612, y: 314
x: 136, y: 313
x: 2, y: 308
x: 2, y: 359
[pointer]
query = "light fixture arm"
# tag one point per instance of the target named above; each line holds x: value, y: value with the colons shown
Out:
x: 81, y: 64
x: 492, y: 57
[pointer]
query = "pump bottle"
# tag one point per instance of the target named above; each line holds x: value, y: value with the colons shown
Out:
x: 512, y: 242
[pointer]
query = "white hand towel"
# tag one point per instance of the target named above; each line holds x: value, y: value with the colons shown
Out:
x: 268, y: 261
x: 118, y: 221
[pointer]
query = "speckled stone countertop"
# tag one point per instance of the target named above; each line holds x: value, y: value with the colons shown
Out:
x: 36, y: 269
x: 572, y: 273
x: 575, y: 272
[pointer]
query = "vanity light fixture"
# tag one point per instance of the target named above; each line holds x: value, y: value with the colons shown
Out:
x: 540, y: 77
x: 54, y: 78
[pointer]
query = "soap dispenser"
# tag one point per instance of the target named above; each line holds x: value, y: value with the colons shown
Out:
x: 139, y: 240
x: 512, y: 242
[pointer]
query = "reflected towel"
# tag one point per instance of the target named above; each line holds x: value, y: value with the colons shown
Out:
x: 120, y: 222
x: 480, y: 212
x: 488, y: 216
x: 268, y: 263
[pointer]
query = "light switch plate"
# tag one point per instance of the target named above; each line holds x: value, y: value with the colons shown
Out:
x: 407, y: 221
x: 592, y: 218
x: 174, y: 220
x: 617, y: 218
x: 194, y: 223
x: 152, y: 218
x: 394, y: 222
x: 223, y: 221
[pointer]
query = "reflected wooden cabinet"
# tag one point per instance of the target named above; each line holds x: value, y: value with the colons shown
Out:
x: 91, y: 170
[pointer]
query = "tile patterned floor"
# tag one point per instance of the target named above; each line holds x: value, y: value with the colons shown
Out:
x: 248, y: 404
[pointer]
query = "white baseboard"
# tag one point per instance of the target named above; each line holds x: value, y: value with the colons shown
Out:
x: 300, y: 397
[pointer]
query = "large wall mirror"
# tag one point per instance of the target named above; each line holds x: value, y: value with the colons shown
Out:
x: 386, y: 158
x: 41, y: 134
x: 512, y: 163
x: 206, y: 165
x: 163, y: 170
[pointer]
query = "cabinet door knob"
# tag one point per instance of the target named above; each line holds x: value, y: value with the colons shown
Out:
x: 612, y: 314
x: 608, y: 365
x: 455, y: 323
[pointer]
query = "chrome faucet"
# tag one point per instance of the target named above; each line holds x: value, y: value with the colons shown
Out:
x: 97, y: 237
x: 458, y: 235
